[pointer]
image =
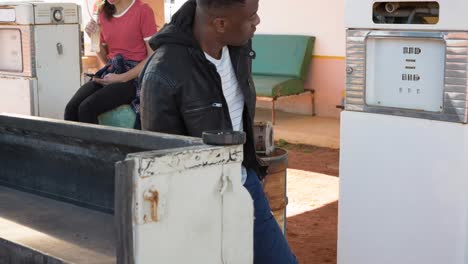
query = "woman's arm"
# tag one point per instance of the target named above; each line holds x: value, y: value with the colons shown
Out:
x: 102, y: 54
x: 127, y: 76
x: 90, y: 29
x: 135, y: 71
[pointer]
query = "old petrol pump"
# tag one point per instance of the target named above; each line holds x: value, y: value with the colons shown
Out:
x: 404, y: 138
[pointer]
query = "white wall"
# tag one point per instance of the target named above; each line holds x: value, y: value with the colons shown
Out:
x: 319, y: 18
x: 323, y: 19
x: 170, y: 7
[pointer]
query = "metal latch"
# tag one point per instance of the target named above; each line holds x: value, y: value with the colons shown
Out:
x: 59, y: 48
x: 152, y: 197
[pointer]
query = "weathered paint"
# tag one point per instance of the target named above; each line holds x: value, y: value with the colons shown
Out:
x: 191, y: 201
x: 185, y: 159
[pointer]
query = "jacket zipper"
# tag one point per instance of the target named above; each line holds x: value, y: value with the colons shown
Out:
x: 215, y: 105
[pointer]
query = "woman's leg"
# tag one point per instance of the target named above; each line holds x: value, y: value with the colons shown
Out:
x: 105, y: 99
x: 71, y: 110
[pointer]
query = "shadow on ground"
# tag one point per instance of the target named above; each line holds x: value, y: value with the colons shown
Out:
x: 313, y: 235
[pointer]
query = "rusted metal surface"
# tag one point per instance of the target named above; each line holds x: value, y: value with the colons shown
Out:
x: 276, y: 161
x: 152, y: 196
x: 274, y: 187
x: 150, y: 205
x: 275, y: 183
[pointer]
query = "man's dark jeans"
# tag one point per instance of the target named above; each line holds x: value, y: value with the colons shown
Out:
x: 270, y: 245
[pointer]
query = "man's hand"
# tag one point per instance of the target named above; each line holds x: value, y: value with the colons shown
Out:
x: 110, y: 78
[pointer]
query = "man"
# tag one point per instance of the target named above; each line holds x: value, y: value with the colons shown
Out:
x: 199, y: 79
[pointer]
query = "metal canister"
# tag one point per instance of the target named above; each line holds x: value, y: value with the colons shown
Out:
x: 274, y: 183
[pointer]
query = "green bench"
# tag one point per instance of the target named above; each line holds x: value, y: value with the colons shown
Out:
x: 122, y: 116
x: 281, y: 66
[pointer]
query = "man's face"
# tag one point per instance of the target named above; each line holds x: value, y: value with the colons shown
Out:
x: 239, y: 23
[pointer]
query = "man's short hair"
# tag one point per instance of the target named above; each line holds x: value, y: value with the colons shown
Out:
x: 218, y: 3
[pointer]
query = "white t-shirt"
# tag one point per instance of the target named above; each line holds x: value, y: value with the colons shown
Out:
x: 232, y: 92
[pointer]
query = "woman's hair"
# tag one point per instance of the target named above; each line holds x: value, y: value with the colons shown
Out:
x: 108, y: 10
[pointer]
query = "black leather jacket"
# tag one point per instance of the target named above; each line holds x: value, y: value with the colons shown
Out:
x: 181, y: 89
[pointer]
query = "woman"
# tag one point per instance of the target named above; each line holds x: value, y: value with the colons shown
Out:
x: 126, y: 26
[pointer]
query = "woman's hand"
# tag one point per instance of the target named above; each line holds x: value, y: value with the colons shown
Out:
x: 91, y: 27
x: 111, y: 78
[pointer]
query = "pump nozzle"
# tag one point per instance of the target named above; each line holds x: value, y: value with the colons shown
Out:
x: 391, y: 7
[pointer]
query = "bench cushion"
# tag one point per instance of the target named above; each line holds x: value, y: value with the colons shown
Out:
x: 122, y: 116
x: 276, y: 86
x: 282, y: 55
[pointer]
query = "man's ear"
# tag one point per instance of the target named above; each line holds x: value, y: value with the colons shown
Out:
x: 220, y: 24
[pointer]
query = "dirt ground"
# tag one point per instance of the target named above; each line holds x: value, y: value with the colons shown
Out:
x: 313, y: 203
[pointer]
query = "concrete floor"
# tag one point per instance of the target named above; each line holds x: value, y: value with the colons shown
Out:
x: 303, y: 129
